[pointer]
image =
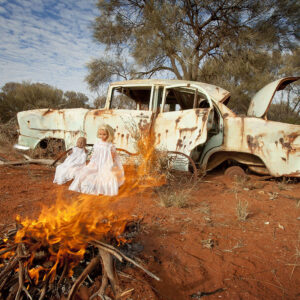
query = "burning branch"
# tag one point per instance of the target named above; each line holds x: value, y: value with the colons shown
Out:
x: 91, y: 266
x: 25, y: 273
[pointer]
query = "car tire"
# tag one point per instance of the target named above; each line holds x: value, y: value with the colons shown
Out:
x: 233, y: 171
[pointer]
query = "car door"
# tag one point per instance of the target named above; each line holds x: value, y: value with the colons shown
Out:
x: 128, y: 123
x: 185, y: 127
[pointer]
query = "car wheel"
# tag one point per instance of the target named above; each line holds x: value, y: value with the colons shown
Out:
x: 234, y: 171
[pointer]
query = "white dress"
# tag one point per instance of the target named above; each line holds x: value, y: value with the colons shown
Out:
x: 102, y: 175
x: 67, y: 170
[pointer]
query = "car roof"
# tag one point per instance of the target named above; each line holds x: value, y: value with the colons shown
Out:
x: 217, y: 93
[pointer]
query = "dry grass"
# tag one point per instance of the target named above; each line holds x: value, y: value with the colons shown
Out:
x: 242, y: 212
x: 204, y: 208
x: 168, y: 197
x: 273, y: 195
x: 297, y: 256
x: 245, y: 183
x: 208, y: 243
x: 283, y: 186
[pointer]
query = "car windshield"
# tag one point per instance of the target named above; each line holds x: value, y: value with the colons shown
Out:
x: 131, y: 98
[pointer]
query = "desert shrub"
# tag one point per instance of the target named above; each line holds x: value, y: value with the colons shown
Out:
x: 8, y: 132
x: 15, y: 97
x: 177, y: 196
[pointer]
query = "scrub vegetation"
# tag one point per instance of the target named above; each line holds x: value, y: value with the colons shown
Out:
x: 240, y: 46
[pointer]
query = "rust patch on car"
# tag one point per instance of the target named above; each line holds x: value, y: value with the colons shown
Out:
x: 158, y: 138
x: 286, y: 145
x: 243, y: 131
x: 177, y: 122
x: 179, y: 144
x: 100, y: 112
x: 144, y: 126
x: 181, y: 130
x: 254, y: 143
x: 199, y: 134
x: 204, y: 118
x: 293, y: 136
x: 49, y: 111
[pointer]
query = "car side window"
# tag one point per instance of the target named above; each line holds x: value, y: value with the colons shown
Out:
x: 181, y: 98
x: 134, y: 98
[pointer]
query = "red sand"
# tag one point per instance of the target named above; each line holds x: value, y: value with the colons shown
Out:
x: 255, y: 259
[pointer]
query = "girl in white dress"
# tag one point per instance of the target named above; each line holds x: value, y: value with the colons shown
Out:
x: 74, y: 162
x: 104, y: 174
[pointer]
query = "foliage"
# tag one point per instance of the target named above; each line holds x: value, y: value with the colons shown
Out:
x: 8, y: 132
x: 179, y: 36
x: 246, y: 71
x: 17, y: 97
x: 99, y: 102
x: 238, y: 45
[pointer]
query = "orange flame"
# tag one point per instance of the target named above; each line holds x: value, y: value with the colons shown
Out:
x: 65, y: 229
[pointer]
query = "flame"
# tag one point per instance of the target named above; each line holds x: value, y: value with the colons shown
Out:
x: 63, y: 231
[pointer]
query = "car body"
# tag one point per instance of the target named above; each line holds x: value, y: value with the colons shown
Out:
x: 185, y: 116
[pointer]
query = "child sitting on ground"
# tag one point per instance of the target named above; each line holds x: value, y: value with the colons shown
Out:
x: 74, y: 162
x: 104, y: 174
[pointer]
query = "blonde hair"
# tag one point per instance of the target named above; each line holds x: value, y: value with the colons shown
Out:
x: 109, y: 130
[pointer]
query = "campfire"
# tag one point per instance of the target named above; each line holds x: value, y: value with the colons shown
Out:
x: 73, y: 241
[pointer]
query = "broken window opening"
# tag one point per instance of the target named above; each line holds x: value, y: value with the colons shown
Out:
x: 133, y: 98
x: 184, y: 98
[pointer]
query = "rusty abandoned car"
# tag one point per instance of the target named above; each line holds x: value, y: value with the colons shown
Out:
x: 190, y: 118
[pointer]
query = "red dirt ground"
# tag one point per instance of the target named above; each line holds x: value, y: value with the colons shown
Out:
x: 201, y: 250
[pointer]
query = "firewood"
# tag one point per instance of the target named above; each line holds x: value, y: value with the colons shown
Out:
x: 111, y: 251
x: 109, y: 268
x: 12, y: 282
x: 10, y: 266
x: 45, y: 287
x: 63, y: 274
x: 8, y: 249
x: 21, y: 271
x: 127, y: 258
x: 90, y: 267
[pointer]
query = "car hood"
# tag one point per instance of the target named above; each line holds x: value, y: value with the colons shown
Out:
x: 261, y: 101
